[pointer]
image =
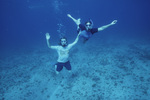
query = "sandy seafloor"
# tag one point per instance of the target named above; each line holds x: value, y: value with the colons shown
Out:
x: 102, y: 70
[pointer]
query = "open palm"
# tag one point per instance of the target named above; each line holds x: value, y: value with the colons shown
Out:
x: 114, y: 22
x: 47, y: 36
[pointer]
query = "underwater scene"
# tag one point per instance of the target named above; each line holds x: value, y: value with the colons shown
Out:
x: 74, y: 50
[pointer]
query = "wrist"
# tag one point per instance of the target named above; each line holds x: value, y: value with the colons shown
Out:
x: 110, y: 24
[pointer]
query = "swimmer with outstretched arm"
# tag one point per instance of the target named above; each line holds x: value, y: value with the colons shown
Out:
x: 87, y: 30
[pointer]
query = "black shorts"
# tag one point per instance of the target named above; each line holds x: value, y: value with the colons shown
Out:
x: 61, y: 65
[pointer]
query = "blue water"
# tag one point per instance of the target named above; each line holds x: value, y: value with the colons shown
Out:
x: 26, y: 22
x: 23, y: 24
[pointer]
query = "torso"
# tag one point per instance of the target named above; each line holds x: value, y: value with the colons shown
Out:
x: 87, y: 34
x: 63, y: 54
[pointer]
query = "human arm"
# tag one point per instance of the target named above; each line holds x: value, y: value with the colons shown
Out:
x: 47, y: 39
x: 76, y: 40
x: 77, y: 21
x: 48, y: 43
x: 106, y: 26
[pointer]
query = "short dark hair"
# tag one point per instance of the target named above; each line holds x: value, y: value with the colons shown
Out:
x: 63, y: 38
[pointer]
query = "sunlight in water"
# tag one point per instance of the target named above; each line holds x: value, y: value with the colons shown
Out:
x: 57, y: 5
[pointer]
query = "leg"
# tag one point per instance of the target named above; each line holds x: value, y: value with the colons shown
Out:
x: 58, y: 67
x: 68, y: 66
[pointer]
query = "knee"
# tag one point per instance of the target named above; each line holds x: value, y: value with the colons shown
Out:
x: 56, y: 69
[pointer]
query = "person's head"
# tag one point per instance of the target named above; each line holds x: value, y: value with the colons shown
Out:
x: 89, y: 24
x: 63, y: 41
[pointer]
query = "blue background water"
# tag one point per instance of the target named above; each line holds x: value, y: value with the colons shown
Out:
x: 25, y: 22
x: 117, y: 70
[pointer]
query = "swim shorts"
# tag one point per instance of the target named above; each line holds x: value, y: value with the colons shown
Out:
x: 61, y: 65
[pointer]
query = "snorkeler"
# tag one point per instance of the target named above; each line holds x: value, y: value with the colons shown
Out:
x: 87, y: 30
x: 63, y: 53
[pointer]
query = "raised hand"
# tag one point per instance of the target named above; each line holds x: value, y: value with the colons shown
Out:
x: 69, y: 15
x: 114, y: 22
x: 47, y: 36
x: 78, y: 21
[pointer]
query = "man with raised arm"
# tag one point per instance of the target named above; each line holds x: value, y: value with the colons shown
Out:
x: 63, y: 53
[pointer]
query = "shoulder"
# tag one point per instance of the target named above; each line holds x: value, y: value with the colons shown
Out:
x: 81, y: 26
x: 55, y: 47
x: 94, y: 30
x: 70, y: 45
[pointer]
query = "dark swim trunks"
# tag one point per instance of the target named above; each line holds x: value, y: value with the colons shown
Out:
x: 61, y: 65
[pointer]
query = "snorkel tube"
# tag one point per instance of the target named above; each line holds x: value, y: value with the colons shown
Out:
x: 90, y: 20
